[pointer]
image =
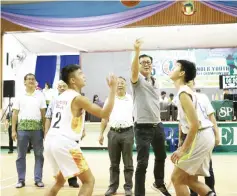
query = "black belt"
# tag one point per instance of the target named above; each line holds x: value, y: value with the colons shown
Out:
x: 146, y: 125
x: 120, y: 130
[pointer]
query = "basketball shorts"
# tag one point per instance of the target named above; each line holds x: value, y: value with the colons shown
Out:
x: 64, y: 155
x: 196, y: 161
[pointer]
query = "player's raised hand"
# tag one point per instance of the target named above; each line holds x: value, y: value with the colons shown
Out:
x: 101, y: 140
x: 137, y: 44
x: 112, y: 81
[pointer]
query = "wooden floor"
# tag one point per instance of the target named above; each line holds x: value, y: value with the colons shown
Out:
x: 225, y: 168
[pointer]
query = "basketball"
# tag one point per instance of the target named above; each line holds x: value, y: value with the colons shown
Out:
x: 130, y: 3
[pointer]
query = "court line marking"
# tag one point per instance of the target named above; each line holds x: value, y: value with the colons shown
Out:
x: 96, y: 189
x: 10, y: 185
x: 7, y: 178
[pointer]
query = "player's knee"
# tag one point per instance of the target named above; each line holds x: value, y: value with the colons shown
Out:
x: 90, y: 180
x: 177, y: 178
x: 60, y: 182
x: 173, y: 178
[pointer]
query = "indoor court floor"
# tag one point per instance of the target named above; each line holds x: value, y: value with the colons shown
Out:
x: 225, y: 168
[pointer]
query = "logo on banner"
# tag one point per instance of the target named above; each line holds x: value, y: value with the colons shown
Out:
x: 227, y: 136
x: 225, y: 111
x: 188, y: 8
x: 168, y: 66
x: 230, y: 81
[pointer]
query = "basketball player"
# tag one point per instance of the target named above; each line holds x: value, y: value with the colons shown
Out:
x: 193, y: 157
x: 61, y: 147
x: 62, y: 86
x: 208, y: 111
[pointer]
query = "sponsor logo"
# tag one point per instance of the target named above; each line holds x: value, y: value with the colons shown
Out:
x: 168, y: 66
x: 227, y: 136
x: 225, y: 111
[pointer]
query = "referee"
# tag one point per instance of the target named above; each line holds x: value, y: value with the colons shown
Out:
x: 148, y: 127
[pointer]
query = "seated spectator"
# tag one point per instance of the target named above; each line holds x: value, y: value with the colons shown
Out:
x: 97, y: 101
x: 48, y: 93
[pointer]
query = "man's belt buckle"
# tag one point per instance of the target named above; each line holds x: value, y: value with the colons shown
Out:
x: 155, y: 125
x: 117, y: 129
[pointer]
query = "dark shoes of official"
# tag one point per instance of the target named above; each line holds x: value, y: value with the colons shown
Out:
x: 110, y: 192
x: 20, y: 185
x: 39, y: 184
x: 74, y: 185
x: 161, y: 189
x: 128, y: 192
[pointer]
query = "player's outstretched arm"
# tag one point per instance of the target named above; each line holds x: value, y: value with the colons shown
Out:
x: 84, y: 103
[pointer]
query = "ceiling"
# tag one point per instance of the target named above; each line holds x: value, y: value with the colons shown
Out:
x: 122, y: 39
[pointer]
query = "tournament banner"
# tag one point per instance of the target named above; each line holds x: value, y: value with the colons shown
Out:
x: 210, y: 64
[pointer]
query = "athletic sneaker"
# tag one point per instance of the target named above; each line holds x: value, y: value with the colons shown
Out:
x: 160, y: 189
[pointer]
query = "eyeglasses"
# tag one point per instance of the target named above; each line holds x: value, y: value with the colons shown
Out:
x: 33, y: 79
x: 145, y: 63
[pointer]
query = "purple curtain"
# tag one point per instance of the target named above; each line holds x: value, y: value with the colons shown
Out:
x: 227, y: 7
x: 86, y: 24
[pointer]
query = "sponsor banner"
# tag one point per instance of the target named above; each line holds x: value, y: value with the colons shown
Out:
x: 210, y: 64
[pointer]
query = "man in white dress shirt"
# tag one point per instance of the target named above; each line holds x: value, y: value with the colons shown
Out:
x: 120, y: 139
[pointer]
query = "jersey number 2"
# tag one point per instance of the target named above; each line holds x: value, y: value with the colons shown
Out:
x: 58, y: 116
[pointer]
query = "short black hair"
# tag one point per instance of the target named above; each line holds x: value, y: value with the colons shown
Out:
x: 48, y: 84
x: 189, y: 68
x: 145, y: 55
x: 29, y: 74
x: 95, y: 97
x: 122, y: 78
x: 67, y: 72
x: 163, y: 93
x: 171, y: 95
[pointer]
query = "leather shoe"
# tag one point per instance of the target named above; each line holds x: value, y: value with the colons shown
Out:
x: 110, y: 192
x: 74, y: 185
x: 128, y: 192
x: 39, y: 184
x: 20, y: 185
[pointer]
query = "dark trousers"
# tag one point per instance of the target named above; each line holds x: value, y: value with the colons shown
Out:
x: 146, y: 135
x: 209, y: 181
x: 36, y: 138
x: 121, y: 143
x: 10, y: 138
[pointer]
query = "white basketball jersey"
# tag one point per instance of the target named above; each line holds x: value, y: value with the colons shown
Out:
x: 63, y: 122
x: 204, y: 121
